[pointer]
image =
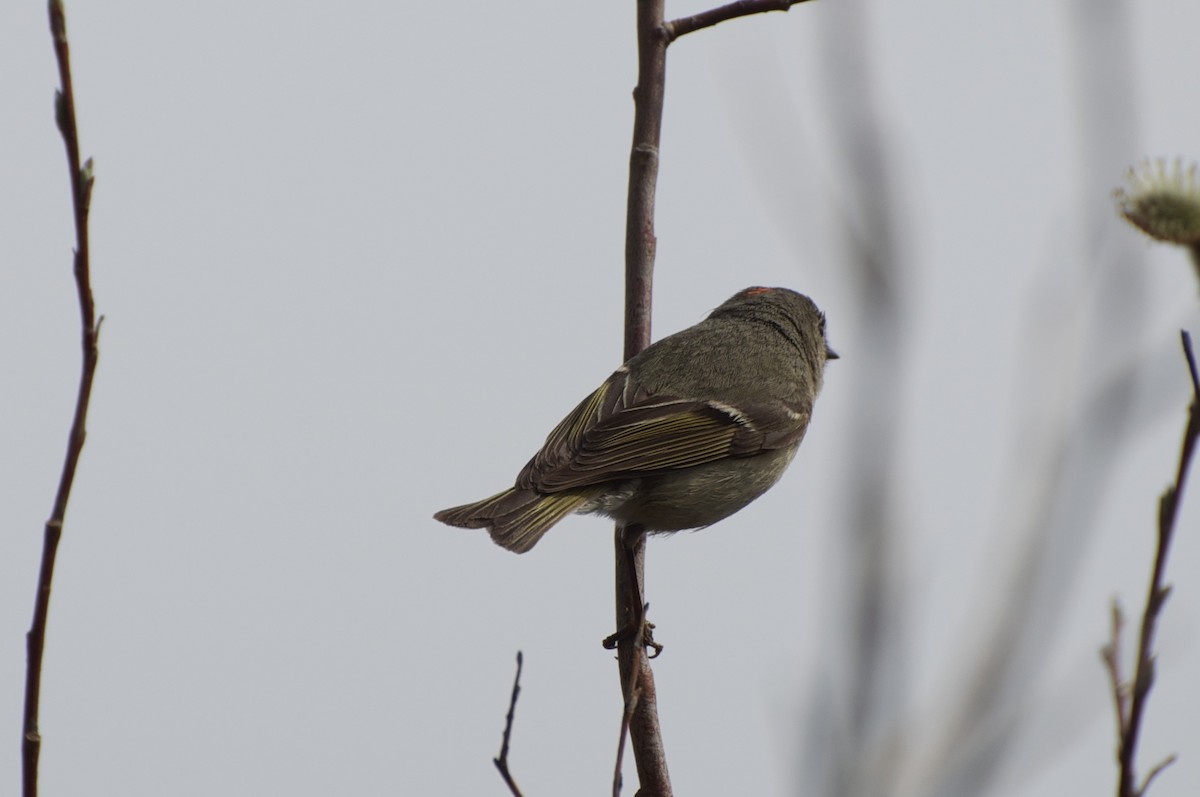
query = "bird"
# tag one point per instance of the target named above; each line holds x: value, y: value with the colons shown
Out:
x: 683, y: 434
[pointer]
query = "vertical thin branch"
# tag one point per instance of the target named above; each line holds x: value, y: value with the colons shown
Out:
x: 1143, y: 677
x: 861, y: 692
x: 1066, y: 455
x: 640, y: 716
x: 637, y: 679
x: 501, y: 761
x: 81, y: 193
x: 640, y: 241
x: 1110, y: 654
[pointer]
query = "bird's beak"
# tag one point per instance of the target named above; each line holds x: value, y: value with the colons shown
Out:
x: 830, y: 354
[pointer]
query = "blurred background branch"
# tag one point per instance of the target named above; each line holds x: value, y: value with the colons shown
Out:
x: 863, y: 736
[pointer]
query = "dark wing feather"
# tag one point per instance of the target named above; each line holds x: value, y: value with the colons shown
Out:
x: 621, y: 432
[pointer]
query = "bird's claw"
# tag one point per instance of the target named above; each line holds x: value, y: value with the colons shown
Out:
x: 629, y: 632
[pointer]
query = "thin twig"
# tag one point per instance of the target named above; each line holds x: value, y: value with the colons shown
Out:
x: 640, y: 712
x: 501, y: 761
x: 1157, y: 768
x: 82, y: 181
x: 706, y: 19
x: 629, y: 540
x: 1111, y: 655
x: 640, y: 715
x: 1143, y: 678
x: 630, y: 690
x: 640, y: 241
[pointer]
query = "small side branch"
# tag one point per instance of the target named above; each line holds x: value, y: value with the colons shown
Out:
x: 1131, y: 699
x: 1111, y: 654
x: 706, y: 19
x: 631, y: 695
x: 501, y: 761
x: 81, y: 195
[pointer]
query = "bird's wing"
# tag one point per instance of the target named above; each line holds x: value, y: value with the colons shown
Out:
x: 622, y: 431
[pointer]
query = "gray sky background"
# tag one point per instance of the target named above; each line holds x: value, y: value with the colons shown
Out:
x: 356, y: 261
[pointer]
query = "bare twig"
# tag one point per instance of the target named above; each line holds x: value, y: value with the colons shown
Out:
x: 1111, y: 654
x: 640, y: 715
x: 628, y: 540
x: 81, y: 193
x: 640, y: 242
x: 640, y: 711
x: 501, y: 761
x: 1143, y: 679
x: 629, y: 689
x: 618, y: 781
x: 1154, y: 771
x: 637, y: 679
x: 706, y: 19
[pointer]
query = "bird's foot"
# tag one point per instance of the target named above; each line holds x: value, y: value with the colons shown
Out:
x: 630, y: 632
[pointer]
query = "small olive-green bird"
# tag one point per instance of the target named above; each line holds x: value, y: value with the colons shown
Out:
x: 684, y: 434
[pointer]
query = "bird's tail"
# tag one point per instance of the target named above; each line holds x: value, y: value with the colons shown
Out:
x: 515, y: 518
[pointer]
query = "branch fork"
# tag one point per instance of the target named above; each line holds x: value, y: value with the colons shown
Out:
x: 1131, y: 697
